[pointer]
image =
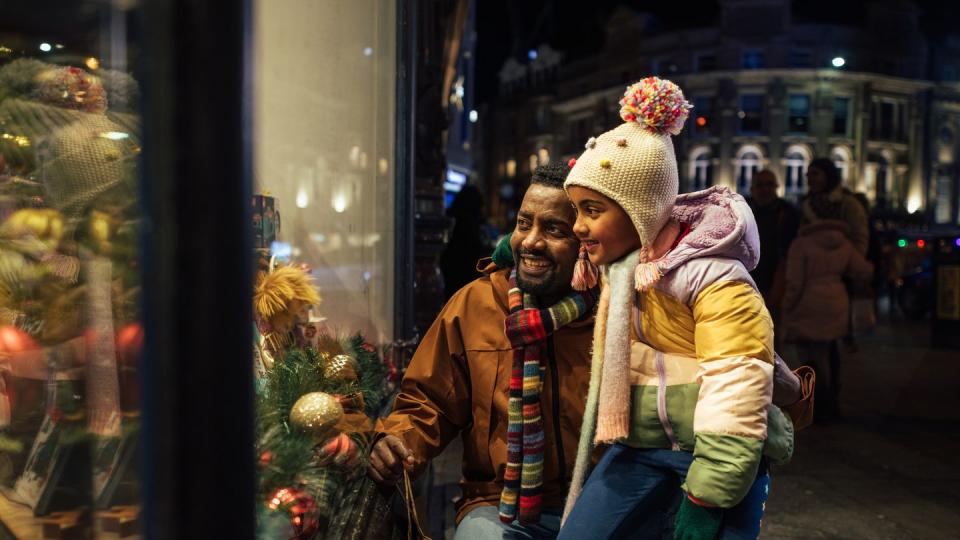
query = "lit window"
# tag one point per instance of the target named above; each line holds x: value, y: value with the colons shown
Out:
x: 796, y: 169
x: 532, y: 162
x: 747, y: 165
x: 511, y: 168
x: 700, y: 170
x: 544, y: 155
x: 840, y: 156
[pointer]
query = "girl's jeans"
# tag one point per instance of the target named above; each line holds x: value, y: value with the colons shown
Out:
x: 633, y: 493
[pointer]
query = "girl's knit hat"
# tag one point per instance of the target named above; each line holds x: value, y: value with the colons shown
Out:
x: 634, y: 164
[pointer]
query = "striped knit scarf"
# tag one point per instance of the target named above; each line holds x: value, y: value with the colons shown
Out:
x: 527, y: 328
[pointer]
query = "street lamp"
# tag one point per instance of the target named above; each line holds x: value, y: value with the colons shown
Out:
x: 838, y: 61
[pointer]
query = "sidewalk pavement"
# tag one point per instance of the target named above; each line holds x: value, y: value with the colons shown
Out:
x: 888, y: 469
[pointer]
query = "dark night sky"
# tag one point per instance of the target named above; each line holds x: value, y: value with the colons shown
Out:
x: 511, y: 27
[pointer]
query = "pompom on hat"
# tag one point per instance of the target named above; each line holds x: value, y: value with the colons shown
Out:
x: 634, y: 164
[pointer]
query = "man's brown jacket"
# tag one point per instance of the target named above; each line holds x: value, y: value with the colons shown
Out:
x: 457, y: 385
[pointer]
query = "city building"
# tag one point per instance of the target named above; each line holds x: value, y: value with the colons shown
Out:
x: 882, y: 100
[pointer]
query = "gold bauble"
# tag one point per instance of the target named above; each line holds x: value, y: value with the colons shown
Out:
x: 316, y: 413
x: 341, y: 367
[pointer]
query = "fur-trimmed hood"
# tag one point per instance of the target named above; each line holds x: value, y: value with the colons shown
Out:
x: 721, y: 225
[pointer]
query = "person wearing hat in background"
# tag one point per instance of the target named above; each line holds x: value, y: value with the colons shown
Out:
x: 682, y: 375
x: 816, y: 305
x: 824, y: 182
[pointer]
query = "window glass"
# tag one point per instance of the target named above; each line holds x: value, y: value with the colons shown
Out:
x: 841, y: 116
x: 70, y: 289
x: 751, y: 113
x: 753, y: 59
x: 799, y: 118
x: 324, y: 110
x: 702, y: 112
x: 747, y: 166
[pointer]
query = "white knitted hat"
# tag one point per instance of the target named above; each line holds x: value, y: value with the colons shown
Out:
x: 634, y: 164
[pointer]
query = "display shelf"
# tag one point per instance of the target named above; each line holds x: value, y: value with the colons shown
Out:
x: 121, y: 522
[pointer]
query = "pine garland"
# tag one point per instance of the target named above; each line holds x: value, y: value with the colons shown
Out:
x: 287, y: 456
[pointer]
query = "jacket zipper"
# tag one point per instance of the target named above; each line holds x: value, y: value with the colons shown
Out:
x: 555, y: 402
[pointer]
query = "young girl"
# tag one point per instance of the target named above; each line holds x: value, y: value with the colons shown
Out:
x: 683, y: 357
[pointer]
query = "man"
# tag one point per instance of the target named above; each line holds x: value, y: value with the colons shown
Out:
x: 777, y: 223
x: 473, y: 379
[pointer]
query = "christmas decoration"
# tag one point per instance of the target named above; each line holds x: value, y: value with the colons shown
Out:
x: 301, y: 507
x: 339, y: 450
x: 281, y: 298
x: 316, y: 413
x: 341, y: 367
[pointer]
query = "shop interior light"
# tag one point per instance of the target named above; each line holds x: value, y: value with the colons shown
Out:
x: 901, y: 243
x: 474, y: 116
x: 368, y: 51
x: 92, y: 63
x: 46, y: 47
x: 838, y: 61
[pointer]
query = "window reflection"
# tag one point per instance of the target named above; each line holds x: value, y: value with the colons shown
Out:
x: 70, y: 331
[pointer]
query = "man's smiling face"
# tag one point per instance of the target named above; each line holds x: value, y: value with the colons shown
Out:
x: 544, y: 246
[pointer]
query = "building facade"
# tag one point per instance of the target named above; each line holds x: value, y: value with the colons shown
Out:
x: 880, y: 100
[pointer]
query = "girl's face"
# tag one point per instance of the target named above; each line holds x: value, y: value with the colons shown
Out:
x: 602, y: 226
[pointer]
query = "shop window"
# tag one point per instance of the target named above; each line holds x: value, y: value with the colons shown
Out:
x: 317, y: 141
x: 841, y: 116
x: 751, y: 113
x: 799, y: 114
x: 71, y: 333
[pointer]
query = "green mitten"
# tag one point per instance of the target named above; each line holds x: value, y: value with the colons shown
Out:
x: 503, y: 255
x: 695, y: 522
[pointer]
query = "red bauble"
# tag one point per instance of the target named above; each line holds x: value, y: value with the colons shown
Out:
x: 130, y: 344
x: 14, y: 340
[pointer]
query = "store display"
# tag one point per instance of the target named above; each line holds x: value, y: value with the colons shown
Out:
x: 316, y: 413
x: 317, y: 395
x: 69, y: 285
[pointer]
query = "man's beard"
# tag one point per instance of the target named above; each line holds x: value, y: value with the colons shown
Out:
x: 544, y: 285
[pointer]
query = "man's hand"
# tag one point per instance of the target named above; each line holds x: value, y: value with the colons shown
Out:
x: 388, y: 459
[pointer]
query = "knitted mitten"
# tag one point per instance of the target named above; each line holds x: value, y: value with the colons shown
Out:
x: 503, y: 255
x: 695, y: 522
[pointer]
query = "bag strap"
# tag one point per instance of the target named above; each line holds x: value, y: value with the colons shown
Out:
x: 410, y: 506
